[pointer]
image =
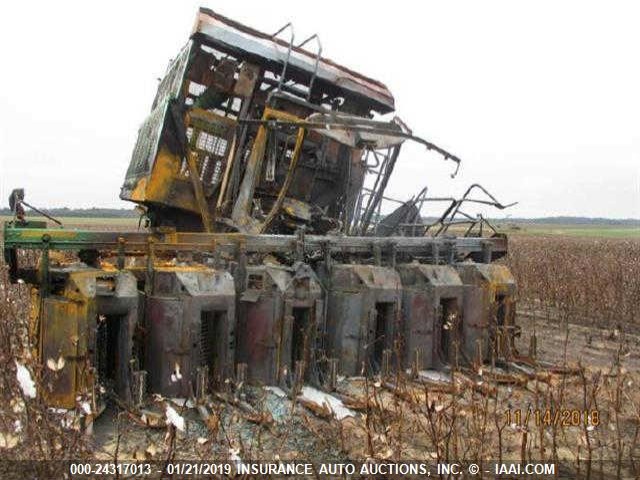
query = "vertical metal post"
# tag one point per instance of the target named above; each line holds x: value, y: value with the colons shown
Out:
x: 435, y: 252
x: 241, y: 374
x: 416, y: 364
x: 393, y: 254
x: 377, y: 254
x: 479, y: 357
x: 456, y: 354
x: 44, y: 266
x: 451, y: 252
x: 386, y: 362
x: 202, y: 383
x: 333, y: 374
x: 120, y: 261
x: 487, y: 252
x: 298, y: 376
x: 216, y: 255
x: 533, y: 346
x: 326, y: 250
x: 499, y: 348
x: 241, y: 270
x: 300, y: 245
x: 139, y: 384
x: 149, y: 273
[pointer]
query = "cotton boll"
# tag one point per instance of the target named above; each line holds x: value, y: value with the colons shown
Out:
x: 25, y: 381
x: 86, y: 408
x: 234, y: 455
x: 176, y: 375
x: 8, y: 440
x: 55, y: 365
x: 173, y: 418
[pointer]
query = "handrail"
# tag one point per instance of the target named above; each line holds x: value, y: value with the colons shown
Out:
x: 286, y: 63
x: 318, y: 56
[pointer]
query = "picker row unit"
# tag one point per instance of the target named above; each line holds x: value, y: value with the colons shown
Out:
x: 152, y: 305
x: 270, y: 253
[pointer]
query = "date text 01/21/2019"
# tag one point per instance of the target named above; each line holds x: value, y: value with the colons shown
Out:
x: 143, y: 469
x: 547, y: 417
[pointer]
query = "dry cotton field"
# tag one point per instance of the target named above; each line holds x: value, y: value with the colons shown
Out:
x: 578, y: 298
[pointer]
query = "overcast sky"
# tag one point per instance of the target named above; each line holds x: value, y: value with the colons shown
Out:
x: 540, y: 99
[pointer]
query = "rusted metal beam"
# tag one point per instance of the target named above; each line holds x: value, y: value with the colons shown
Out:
x: 235, y: 38
x: 287, y: 182
x: 194, y: 175
x: 135, y: 242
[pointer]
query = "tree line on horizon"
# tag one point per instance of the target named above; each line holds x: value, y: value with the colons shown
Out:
x: 96, y: 212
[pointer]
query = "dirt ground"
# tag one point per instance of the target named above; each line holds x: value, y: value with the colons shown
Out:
x: 594, y: 348
x: 409, y: 420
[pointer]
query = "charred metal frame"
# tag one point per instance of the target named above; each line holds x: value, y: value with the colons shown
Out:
x: 251, y: 168
x: 136, y: 243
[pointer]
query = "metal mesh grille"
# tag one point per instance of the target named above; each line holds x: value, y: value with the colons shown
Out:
x: 172, y: 82
x: 148, y: 138
x: 100, y: 356
x: 211, y: 143
x: 208, y: 333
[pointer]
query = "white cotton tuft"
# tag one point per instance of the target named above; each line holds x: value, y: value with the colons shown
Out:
x: 26, y: 382
x: 176, y: 375
x: 174, y: 418
x: 55, y: 365
x: 234, y: 455
x: 8, y: 440
x: 86, y: 408
x: 321, y: 398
